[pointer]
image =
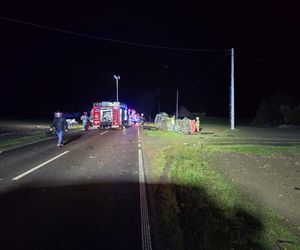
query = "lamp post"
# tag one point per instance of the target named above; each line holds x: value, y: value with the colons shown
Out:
x: 232, y: 120
x: 117, y: 77
x: 177, y: 105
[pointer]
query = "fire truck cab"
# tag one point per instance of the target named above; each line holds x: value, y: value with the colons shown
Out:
x: 109, y: 114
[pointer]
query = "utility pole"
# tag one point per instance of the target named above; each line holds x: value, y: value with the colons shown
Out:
x: 232, y: 125
x: 117, y: 86
x: 177, y: 104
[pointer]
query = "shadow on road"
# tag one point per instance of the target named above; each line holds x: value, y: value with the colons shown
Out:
x: 106, y: 216
x: 69, y: 139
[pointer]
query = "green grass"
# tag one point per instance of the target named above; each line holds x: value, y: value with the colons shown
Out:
x: 259, y: 150
x: 169, y: 134
x: 21, y: 140
x: 197, y: 205
x: 77, y: 126
x: 25, y: 139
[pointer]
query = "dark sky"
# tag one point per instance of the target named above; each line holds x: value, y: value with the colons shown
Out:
x: 43, y: 70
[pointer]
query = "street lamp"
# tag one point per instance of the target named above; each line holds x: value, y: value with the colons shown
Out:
x: 117, y: 79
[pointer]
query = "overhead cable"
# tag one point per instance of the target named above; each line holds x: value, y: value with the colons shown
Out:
x: 109, y: 39
x: 256, y: 60
x: 207, y: 74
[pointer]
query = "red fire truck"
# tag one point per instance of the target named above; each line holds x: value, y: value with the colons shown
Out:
x: 109, y: 114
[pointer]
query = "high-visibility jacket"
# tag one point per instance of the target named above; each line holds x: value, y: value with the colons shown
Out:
x: 198, y: 125
x: 172, y: 121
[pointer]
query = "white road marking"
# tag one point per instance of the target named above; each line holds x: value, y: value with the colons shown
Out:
x: 145, y: 225
x: 104, y: 133
x: 39, y: 166
x: 140, y: 145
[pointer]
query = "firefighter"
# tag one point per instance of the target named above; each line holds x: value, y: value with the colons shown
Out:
x: 85, y: 121
x: 60, y: 124
x: 172, y: 122
x: 197, y: 124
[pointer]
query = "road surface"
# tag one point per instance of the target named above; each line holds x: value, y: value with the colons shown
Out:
x: 85, y: 195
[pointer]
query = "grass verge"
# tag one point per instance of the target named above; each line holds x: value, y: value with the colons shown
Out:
x: 25, y: 139
x: 168, y: 134
x: 21, y: 140
x: 259, y: 150
x: 199, y: 209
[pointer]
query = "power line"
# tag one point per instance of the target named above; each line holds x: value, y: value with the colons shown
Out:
x: 109, y: 39
x: 256, y: 60
x: 208, y: 73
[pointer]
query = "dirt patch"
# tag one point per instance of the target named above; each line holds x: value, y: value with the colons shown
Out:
x: 270, y: 181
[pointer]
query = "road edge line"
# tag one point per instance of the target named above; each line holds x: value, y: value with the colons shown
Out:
x: 145, y: 224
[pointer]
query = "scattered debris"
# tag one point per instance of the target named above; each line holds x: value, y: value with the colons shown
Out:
x: 50, y: 132
x: 163, y: 122
x: 285, y: 241
x: 150, y: 128
x: 71, y: 122
x: 183, y: 125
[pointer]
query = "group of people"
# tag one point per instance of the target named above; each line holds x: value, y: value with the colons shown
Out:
x: 60, y: 125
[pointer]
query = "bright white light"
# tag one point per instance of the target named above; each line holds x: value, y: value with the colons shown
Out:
x: 117, y: 77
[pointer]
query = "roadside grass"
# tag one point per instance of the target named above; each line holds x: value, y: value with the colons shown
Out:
x: 21, y: 140
x: 200, y: 209
x: 258, y: 150
x: 25, y: 139
x: 159, y: 133
x: 77, y: 126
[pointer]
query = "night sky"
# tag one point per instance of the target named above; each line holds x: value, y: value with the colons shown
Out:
x: 43, y: 70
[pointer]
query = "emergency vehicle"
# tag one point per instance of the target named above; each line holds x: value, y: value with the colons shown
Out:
x: 109, y: 114
x: 135, y: 118
x: 132, y: 116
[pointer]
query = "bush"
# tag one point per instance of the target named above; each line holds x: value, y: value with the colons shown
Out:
x: 265, y: 114
x: 295, y: 116
x: 277, y: 110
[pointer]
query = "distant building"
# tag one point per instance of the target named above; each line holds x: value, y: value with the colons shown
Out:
x: 183, y: 112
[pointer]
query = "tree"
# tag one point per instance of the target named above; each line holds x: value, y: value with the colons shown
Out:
x: 278, y: 109
x: 265, y: 114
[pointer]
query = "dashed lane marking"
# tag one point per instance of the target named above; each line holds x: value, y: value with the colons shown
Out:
x: 104, y: 132
x: 39, y: 166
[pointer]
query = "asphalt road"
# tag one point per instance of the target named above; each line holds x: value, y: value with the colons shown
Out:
x: 85, y: 195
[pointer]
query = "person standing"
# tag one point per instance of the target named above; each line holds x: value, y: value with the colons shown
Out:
x: 60, y: 124
x: 84, y: 118
x: 172, y: 122
x: 197, y: 124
